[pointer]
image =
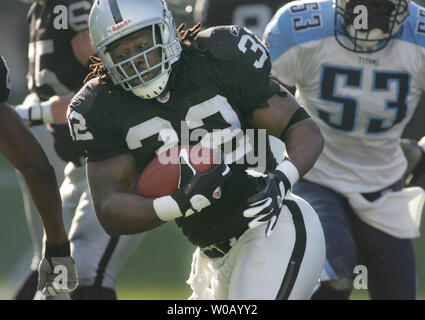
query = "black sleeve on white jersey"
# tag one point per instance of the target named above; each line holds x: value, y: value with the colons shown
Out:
x: 92, y: 127
x: 243, y: 67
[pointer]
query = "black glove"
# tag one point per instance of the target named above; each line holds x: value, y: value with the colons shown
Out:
x: 57, y: 272
x: 415, y: 155
x: 265, y: 206
x: 4, y: 80
x: 195, y: 192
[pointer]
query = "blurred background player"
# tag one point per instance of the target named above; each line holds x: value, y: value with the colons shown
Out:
x: 58, y: 52
x: 362, y: 87
x: 21, y: 148
x: 252, y: 14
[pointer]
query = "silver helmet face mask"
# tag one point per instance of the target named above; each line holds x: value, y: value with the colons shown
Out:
x: 112, y: 20
x: 137, y: 76
x: 383, y: 24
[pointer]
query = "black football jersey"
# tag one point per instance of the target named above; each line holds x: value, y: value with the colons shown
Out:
x: 253, y: 14
x: 53, y: 68
x: 225, y: 85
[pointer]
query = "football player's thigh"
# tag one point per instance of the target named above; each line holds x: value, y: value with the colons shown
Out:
x: 333, y: 211
x: 98, y: 257
x: 276, y: 267
x: 125, y: 247
x: 71, y: 193
x: 309, y: 253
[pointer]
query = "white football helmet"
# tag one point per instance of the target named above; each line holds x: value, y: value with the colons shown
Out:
x: 383, y: 26
x: 111, y: 20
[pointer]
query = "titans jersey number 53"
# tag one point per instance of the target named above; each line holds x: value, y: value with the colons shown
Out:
x: 341, y: 89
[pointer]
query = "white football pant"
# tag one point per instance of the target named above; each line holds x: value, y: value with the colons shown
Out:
x: 286, y: 265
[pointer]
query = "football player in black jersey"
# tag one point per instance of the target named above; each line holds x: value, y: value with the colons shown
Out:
x: 150, y: 90
x: 252, y: 14
x: 21, y: 148
x: 59, y: 51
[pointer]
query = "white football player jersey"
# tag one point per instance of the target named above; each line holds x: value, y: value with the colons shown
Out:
x: 362, y: 102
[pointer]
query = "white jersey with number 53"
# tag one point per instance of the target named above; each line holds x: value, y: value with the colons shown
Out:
x: 362, y: 102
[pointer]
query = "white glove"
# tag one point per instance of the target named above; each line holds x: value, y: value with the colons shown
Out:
x: 35, y: 112
x: 57, y: 272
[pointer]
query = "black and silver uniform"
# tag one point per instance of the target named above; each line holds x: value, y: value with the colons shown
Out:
x: 253, y: 14
x: 53, y: 67
x: 225, y: 85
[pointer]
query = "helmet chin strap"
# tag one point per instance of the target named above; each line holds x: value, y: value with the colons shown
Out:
x: 153, y: 89
x: 156, y: 87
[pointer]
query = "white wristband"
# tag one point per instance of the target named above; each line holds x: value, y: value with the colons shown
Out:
x: 46, y: 110
x: 289, y: 170
x: 40, y: 111
x: 166, y: 208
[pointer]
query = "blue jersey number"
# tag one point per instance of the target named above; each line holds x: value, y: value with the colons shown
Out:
x: 421, y: 23
x: 382, y: 82
x: 299, y: 22
x: 347, y: 107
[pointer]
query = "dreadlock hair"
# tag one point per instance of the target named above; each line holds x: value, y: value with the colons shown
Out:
x: 98, y: 70
x: 178, y: 78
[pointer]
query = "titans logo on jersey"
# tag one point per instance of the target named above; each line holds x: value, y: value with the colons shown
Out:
x: 225, y: 85
x: 53, y: 67
x: 361, y: 102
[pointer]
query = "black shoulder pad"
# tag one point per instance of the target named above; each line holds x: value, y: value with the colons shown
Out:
x: 222, y: 42
x: 83, y: 101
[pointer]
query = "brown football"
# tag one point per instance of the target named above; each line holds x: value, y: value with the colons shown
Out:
x: 161, y: 175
